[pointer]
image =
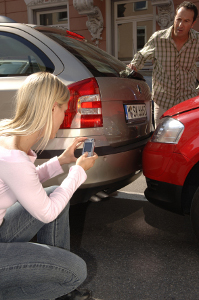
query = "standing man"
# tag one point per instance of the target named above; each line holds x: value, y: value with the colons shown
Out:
x: 173, y: 52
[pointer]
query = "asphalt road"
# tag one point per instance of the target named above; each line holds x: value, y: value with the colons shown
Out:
x: 135, y: 250
x: 135, y: 190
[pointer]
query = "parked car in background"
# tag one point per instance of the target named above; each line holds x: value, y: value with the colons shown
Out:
x: 171, y: 161
x: 115, y: 111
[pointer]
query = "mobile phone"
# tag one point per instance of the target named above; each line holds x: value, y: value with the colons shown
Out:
x: 89, y: 146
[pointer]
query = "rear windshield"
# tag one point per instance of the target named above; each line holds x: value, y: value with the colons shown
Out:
x: 99, y: 63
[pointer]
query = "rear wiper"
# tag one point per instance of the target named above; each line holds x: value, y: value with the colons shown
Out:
x: 131, y: 74
x: 126, y: 73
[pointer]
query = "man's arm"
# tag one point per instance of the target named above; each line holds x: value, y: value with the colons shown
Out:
x: 147, y: 53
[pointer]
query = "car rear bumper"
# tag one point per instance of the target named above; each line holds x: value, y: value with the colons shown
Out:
x: 85, y: 194
x: 112, y: 165
x: 164, y: 195
x: 115, y: 168
x: 112, y: 170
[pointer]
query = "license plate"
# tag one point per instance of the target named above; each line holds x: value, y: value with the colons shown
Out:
x: 135, y: 111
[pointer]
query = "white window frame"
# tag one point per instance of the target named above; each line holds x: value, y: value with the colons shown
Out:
x: 134, y: 20
x: 45, y: 8
x: 49, y: 12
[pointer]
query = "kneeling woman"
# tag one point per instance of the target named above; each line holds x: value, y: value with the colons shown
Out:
x: 46, y: 269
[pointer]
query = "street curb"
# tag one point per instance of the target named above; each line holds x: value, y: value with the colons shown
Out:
x: 131, y: 196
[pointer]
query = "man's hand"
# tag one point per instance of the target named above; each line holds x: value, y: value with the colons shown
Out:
x: 68, y: 155
x: 132, y: 67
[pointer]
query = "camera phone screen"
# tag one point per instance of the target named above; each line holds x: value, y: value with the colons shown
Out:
x: 87, y: 147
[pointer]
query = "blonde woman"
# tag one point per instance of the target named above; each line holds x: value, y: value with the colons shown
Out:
x: 47, y: 269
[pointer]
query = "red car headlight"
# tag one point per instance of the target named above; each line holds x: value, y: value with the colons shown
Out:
x: 169, y: 131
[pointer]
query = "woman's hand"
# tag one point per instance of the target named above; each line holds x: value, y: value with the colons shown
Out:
x: 86, y: 162
x: 68, y: 156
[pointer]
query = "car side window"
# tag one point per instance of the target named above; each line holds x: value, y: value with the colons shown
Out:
x: 19, y: 57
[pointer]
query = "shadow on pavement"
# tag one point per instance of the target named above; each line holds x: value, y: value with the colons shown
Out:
x: 135, y: 250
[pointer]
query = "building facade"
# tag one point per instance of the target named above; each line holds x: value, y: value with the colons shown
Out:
x: 119, y: 27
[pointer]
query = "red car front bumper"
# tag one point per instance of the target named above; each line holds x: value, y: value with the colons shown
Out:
x: 165, y: 173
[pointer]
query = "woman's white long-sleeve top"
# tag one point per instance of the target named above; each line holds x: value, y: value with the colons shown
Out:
x: 21, y: 181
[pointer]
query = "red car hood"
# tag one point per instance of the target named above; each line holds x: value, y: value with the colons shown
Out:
x: 187, y: 105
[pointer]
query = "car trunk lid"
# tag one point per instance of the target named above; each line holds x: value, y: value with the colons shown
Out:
x: 126, y: 110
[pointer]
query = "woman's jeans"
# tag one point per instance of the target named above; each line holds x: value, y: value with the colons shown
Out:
x: 43, y: 270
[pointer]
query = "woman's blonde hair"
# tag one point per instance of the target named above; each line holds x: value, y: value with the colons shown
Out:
x: 34, y: 104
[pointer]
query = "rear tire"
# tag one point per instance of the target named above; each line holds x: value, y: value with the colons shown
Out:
x: 194, y: 213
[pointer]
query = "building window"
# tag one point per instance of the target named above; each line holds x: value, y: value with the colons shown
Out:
x: 51, y: 13
x: 134, y: 24
x: 53, y: 16
x: 46, y: 19
x: 140, y: 5
x: 141, y: 37
x: 63, y: 16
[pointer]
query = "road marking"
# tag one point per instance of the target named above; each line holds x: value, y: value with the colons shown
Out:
x: 131, y: 196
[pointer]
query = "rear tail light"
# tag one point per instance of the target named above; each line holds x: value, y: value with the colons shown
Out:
x: 84, y: 107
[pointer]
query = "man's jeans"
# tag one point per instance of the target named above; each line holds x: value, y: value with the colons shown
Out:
x: 43, y: 270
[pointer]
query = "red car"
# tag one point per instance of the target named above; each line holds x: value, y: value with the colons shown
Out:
x: 171, y: 161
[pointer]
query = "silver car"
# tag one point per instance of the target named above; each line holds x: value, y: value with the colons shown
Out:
x: 115, y: 110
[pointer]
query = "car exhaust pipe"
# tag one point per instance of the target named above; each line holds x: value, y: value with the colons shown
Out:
x: 99, y: 196
x: 94, y: 198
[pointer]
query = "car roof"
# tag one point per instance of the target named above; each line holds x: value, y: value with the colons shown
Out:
x: 4, y: 19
